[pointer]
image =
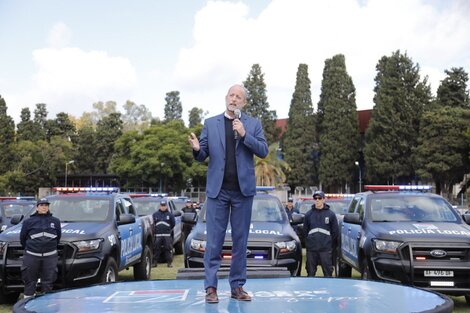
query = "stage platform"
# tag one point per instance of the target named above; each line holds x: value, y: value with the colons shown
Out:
x: 297, y: 295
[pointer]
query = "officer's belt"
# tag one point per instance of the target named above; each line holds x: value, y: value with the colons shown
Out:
x: 162, y: 235
x: 319, y: 230
x: 162, y: 222
x: 43, y: 234
x: 41, y: 254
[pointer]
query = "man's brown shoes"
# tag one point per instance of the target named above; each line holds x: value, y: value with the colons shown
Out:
x: 211, y: 295
x: 240, y: 294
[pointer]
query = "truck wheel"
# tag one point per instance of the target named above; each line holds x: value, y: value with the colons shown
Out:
x: 143, y: 268
x: 366, y: 272
x: 179, y: 246
x: 467, y: 299
x: 8, y: 298
x: 342, y: 269
x: 110, y: 271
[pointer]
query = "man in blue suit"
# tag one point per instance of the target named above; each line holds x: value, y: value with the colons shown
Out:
x: 230, y: 142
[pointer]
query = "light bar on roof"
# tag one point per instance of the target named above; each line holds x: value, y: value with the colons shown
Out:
x: 398, y: 187
x: 339, y: 195
x: 265, y: 188
x: 161, y: 195
x: 86, y: 189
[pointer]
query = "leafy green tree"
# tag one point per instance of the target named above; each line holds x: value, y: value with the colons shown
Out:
x: 103, y: 109
x: 443, y: 150
x: 400, y: 98
x: 271, y: 171
x: 299, y: 142
x: 160, y: 154
x: 7, y: 137
x: 339, y: 126
x: 136, y: 117
x: 453, y: 89
x: 195, y: 117
x: 173, y: 107
x: 108, y: 130
x: 257, y: 103
x: 26, y: 129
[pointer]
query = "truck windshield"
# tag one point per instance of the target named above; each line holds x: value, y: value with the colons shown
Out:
x: 80, y: 210
x: 411, y: 208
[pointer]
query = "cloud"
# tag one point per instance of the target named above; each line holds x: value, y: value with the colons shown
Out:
x: 227, y: 41
x: 60, y: 36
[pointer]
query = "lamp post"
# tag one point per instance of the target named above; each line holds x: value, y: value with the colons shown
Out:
x: 360, y: 176
x: 66, y: 164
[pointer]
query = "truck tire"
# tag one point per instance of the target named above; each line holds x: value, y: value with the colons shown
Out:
x: 8, y: 298
x: 143, y: 268
x: 110, y: 272
x: 341, y: 269
x: 179, y: 246
x: 366, y: 272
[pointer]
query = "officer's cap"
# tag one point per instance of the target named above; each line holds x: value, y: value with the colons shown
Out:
x: 189, y: 201
x: 42, y: 201
x: 290, y: 200
x: 163, y: 202
x: 319, y: 193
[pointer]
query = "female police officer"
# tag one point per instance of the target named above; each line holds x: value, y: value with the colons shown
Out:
x: 40, y: 236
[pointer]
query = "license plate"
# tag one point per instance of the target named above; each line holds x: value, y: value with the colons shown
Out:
x: 439, y: 273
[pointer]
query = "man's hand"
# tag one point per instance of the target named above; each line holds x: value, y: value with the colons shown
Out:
x: 238, y: 126
x: 194, y: 142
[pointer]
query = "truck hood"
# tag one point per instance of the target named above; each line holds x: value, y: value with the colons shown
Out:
x: 415, y: 231
x: 263, y: 231
x: 70, y: 231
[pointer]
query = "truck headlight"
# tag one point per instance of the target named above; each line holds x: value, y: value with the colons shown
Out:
x: 386, y: 246
x: 286, y: 246
x: 88, y: 245
x: 198, y: 245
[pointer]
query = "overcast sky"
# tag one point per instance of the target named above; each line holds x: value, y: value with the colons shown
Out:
x: 70, y: 54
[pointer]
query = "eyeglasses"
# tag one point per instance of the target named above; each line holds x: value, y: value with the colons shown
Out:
x: 317, y: 198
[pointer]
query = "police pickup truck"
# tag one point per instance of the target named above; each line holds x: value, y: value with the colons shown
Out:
x: 405, y: 235
x: 101, y: 235
x: 271, y: 242
x: 10, y: 206
x: 147, y: 204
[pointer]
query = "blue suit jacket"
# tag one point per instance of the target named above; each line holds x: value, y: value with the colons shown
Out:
x: 212, y: 143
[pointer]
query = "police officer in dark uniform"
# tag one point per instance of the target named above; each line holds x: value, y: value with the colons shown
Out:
x: 164, y: 224
x: 290, y: 210
x: 321, y: 233
x: 40, y: 236
x: 189, y: 208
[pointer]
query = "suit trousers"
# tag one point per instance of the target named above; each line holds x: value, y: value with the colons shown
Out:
x: 233, y: 206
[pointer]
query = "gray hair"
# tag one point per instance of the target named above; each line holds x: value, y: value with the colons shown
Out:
x: 245, y: 91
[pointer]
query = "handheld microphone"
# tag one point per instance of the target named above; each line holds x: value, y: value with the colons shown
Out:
x: 238, y: 114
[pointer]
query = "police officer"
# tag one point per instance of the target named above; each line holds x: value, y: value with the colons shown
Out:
x: 189, y: 208
x: 321, y: 233
x: 290, y: 209
x: 40, y: 236
x: 164, y: 224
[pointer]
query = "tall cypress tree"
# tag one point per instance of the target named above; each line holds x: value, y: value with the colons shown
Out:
x: 298, y: 143
x: 400, y: 98
x: 257, y: 103
x: 7, y: 137
x: 173, y: 107
x: 40, y: 120
x: 338, y: 126
x: 26, y: 129
x: 108, y: 130
x: 453, y: 91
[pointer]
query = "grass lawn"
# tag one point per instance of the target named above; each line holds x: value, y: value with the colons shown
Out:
x: 163, y: 272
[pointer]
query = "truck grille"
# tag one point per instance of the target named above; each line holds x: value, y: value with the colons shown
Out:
x: 418, y: 258
x: 255, y: 250
x: 14, y: 259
